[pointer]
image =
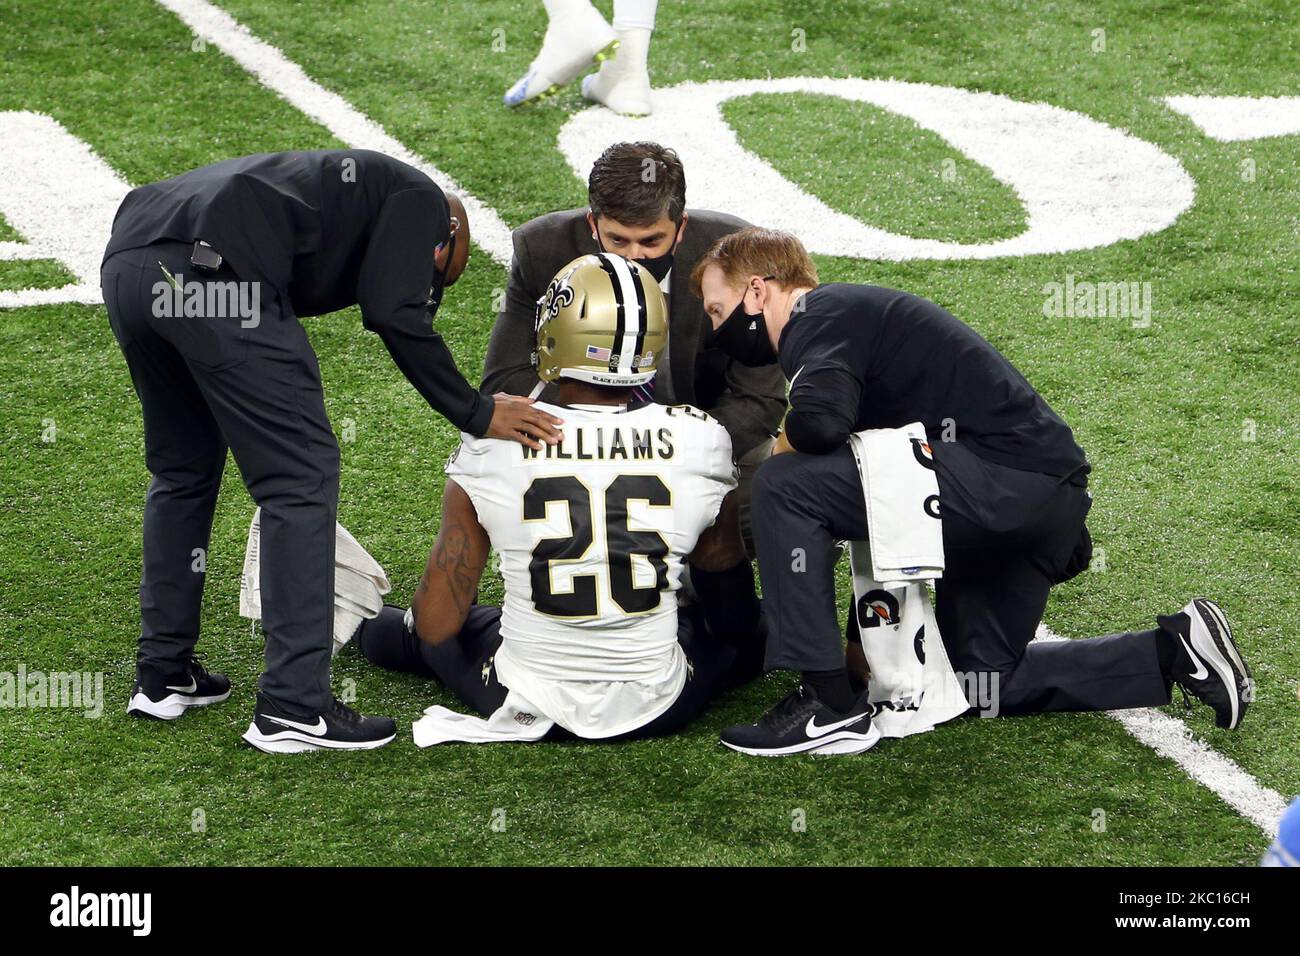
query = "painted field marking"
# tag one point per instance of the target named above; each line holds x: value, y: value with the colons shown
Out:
x: 1173, y: 740
x: 41, y: 160
x: 1083, y: 184
x: 1231, y: 119
x: 345, y: 122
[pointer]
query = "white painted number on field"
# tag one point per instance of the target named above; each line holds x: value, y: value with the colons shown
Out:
x: 61, y: 198
x: 1234, y: 118
x: 1083, y: 184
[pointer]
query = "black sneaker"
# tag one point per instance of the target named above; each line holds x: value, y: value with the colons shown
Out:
x: 166, y: 698
x: 800, y: 723
x: 274, y: 731
x: 1210, y: 666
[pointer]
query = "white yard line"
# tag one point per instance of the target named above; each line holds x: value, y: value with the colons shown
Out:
x: 1166, y: 736
x: 1172, y: 739
x: 348, y: 124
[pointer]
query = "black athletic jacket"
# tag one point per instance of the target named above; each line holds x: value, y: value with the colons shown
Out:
x: 325, y: 230
x: 860, y: 356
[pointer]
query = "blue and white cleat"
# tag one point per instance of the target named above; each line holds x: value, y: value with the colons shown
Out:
x: 573, y: 43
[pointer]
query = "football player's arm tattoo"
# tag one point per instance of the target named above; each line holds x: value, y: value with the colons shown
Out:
x: 451, y: 576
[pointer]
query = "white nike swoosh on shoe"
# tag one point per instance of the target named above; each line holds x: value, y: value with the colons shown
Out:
x: 316, y: 730
x: 813, y: 730
x: 1225, y: 633
x: 1200, y: 673
x: 194, y: 685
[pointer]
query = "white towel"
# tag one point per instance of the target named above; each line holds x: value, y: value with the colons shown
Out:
x: 902, y: 499
x: 360, y: 583
x: 912, y: 687
x: 515, y: 721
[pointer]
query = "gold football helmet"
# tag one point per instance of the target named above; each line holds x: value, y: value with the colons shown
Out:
x: 602, y: 320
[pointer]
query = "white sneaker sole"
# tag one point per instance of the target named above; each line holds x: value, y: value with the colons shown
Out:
x: 844, y: 742
x: 1221, y: 654
x: 171, y: 706
x: 293, y: 742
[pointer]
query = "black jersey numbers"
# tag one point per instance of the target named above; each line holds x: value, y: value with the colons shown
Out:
x: 622, y: 544
x: 581, y: 601
x: 690, y: 410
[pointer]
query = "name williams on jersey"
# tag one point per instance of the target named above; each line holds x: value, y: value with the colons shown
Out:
x: 606, y: 442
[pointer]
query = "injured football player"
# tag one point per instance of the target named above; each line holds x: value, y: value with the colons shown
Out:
x: 590, y: 641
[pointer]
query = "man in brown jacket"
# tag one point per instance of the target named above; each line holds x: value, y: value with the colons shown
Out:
x: 637, y: 209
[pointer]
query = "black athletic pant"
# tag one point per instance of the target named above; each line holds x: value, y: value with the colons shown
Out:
x: 253, y: 385
x: 464, y: 664
x: 1008, y: 537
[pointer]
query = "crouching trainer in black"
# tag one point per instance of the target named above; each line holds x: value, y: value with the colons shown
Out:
x: 1013, y: 499
x: 205, y: 278
x: 594, y: 535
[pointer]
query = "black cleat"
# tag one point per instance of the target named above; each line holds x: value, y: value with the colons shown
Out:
x: 340, y: 728
x: 800, y: 723
x: 1210, y: 667
x: 166, y: 698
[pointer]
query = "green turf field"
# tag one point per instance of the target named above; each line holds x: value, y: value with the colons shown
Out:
x: 1188, y: 498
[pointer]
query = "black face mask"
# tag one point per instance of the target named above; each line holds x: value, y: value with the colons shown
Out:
x: 744, y: 337
x: 658, y: 266
x: 435, y: 292
x: 440, y: 276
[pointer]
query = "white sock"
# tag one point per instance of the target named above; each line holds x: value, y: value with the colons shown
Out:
x: 634, y: 14
x: 633, y: 49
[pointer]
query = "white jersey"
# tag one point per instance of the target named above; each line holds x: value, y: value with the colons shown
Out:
x: 592, y: 534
